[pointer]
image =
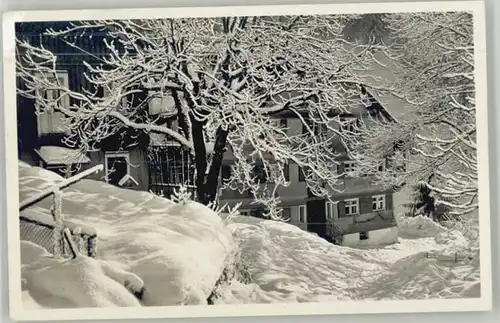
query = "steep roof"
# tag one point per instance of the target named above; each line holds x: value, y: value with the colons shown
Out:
x: 379, y: 82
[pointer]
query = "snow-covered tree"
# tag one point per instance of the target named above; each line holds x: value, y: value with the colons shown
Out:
x: 226, y: 80
x: 431, y: 58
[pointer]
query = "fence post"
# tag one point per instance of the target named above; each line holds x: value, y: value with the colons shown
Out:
x: 56, y: 211
x: 91, y: 247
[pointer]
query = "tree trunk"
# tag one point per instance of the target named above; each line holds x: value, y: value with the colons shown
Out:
x: 200, y: 156
x: 207, y: 183
x: 212, y: 179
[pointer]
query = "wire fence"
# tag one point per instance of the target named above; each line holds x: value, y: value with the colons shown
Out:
x: 55, y: 235
x: 42, y: 234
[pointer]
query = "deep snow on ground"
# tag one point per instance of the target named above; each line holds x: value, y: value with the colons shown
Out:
x: 290, y: 265
x: 48, y: 281
x: 179, y: 251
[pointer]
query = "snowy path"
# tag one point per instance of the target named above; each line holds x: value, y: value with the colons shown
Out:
x: 290, y: 265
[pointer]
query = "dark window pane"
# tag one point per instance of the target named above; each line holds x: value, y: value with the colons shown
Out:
x: 226, y: 173
x: 117, y: 169
x: 259, y: 173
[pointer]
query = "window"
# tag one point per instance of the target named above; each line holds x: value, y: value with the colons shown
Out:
x: 225, y: 173
x: 60, y: 79
x: 381, y: 167
x: 320, y: 130
x: 258, y: 212
x: 162, y: 105
x: 378, y: 202
x: 349, y: 124
x: 280, y: 123
x: 349, y: 166
x: 286, y: 212
x: 351, y: 207
x: 363, y: 236
x: 329, y: 210
x: 302, y: 214
x: 259, y: 173
x: 173, y: 124
x: 117, y: 167
x: 51, y: 120
x: 244, y: 212
x: 124, y: 100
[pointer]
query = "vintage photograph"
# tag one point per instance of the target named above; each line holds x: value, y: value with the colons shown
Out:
x: 248, y: 159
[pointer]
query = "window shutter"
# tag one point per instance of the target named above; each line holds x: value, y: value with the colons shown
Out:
x: 340, y: 168
x: 44, y: 123
x: 341, y: 208
x: 286, y: 172
x: 389, y: 202
x: 302, y: 177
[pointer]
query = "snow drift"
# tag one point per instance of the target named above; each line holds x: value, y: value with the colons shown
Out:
x: 52, y: 282
x: 178, y: 250
x: 288, y: 264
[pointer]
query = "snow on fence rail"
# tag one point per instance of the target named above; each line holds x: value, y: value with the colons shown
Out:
x: 58, y: 236
x: 65, y: 183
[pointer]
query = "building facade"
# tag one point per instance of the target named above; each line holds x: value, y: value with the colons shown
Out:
x: 358, y: 213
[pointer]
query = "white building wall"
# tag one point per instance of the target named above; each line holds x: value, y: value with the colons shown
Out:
x: 375, y: 238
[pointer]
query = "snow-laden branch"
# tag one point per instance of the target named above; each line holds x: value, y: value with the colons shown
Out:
x: 433, y: 69
x: 151, y: 127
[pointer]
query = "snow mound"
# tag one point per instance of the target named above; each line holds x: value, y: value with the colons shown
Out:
x: 287, y: 264
x: 452, y: 237
x: 418, y: 227
x: 178, y: 250
x: 52, y: 282
x: 427, y: 276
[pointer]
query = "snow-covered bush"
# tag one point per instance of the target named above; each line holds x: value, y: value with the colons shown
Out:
x: 181, y: 195
x: 424, y: 202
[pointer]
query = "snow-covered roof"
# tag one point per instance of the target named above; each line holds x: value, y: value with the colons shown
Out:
x: 54, y: 155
